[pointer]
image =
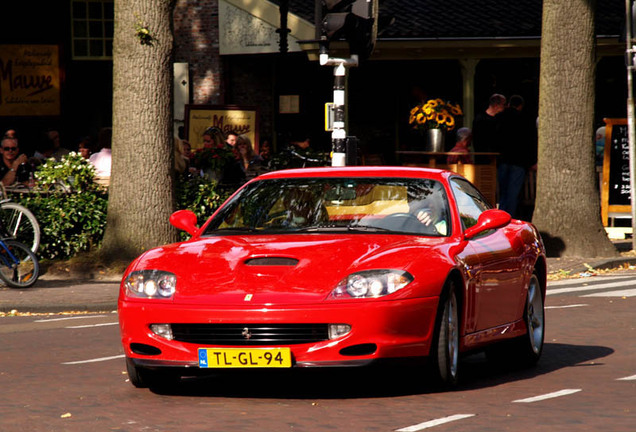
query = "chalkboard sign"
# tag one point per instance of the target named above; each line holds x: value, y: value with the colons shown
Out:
x: 619, y: 186
x: 616, y: 189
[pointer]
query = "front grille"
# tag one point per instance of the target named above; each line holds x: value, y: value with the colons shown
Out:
x: 250, y: 334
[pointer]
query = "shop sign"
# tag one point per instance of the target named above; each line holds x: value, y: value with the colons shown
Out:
x: 29, y: 80
x: 229, y: 118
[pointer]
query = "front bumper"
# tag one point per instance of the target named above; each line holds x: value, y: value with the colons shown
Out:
x: 397, y: 329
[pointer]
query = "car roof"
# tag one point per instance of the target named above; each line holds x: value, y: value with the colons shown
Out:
x: 359, y: 171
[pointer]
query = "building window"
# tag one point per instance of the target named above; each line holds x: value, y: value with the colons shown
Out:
x: 92, y: 29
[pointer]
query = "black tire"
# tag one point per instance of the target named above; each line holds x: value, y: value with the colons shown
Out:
x: 158, y: 380
x: 445, y: 347
x: 20, y: 224
x: 525, y: 350
x: 22, y: 274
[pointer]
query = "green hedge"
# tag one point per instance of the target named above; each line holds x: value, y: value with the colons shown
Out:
x: 71, y: 223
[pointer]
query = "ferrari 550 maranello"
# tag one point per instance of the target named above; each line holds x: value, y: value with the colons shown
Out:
x: 337, y: 267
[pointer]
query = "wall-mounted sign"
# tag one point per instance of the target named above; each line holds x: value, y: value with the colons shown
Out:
x: 228, y: 118
x: 29, y: 80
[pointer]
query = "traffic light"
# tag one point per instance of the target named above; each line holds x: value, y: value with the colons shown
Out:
x: 354, y: 21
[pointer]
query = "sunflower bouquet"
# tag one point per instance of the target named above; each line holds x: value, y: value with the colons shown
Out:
x: 435, y: 114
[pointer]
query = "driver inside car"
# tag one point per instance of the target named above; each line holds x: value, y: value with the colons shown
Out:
x: 428, y: 204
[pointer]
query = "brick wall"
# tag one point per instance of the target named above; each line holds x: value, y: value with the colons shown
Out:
x: 196, y: 36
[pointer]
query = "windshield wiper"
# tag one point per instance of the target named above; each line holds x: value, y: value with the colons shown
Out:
x: 233, y: 229
x: 368, y: 228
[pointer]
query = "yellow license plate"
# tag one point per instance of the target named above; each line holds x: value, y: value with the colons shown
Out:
x: 245, y: 358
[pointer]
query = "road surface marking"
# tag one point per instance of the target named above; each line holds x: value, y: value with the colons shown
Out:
x: 590, y: 287
x: 566, y: 306
x: 580, y: 281
x: 433, y: 423
x: 91, y: 325
x: 623, y: 293
x: 68, y: 318
x: 95, y: 360
x: 548, y: 396
x: 629, y: 378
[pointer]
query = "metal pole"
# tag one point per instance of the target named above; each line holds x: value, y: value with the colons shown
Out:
x: 339, y: 134
x: 631, y: 129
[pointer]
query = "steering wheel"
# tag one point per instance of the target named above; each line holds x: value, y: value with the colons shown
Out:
x: 408, y: 222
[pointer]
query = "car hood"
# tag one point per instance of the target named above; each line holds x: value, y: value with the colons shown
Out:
x: 274, y: 270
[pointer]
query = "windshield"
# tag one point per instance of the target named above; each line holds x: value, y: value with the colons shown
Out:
x: 390, y: 205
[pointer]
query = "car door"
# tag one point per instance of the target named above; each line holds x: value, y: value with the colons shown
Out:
x: 492, y: 262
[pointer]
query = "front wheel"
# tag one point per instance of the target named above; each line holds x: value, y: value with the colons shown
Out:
x: 19, y: 267
x: 157, y: 380
x: 445, y: 348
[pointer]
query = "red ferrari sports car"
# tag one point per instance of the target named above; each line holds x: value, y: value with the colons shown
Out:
x: 337, y: 267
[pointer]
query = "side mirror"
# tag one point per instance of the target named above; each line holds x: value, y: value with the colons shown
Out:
x: 490, y: 219
x: 184, y: 220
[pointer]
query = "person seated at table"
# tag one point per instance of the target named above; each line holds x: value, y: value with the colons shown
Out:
x: 464, y: 138
x: 12, y: 160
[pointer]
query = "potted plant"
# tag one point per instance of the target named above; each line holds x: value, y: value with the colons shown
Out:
x: 434, y: 118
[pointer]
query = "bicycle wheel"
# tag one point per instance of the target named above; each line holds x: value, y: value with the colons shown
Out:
x: 19, y: 267
x: 20, y: 224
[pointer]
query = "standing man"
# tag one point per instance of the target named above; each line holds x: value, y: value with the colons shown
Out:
x: 517, y: 154
x: 485, y: 125
x: 10, y: 160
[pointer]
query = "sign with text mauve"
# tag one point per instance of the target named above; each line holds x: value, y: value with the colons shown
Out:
x: 29, y: 80
x: 238, y: 119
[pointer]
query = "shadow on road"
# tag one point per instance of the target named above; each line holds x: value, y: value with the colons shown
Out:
x: 373, y: 382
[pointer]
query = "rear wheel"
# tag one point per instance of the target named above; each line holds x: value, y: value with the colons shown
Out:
x: 445, y: 349
x: 528, y: 348
x: 19, y: 267
x: 20, y: 224
x: 525, y: 350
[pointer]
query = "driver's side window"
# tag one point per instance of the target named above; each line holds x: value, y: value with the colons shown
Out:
x: 470, y: 202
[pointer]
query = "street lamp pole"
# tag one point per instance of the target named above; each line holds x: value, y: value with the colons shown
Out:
x: 631, y: 128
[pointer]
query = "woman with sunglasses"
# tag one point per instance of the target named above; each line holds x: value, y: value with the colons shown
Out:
x: 11, y: 160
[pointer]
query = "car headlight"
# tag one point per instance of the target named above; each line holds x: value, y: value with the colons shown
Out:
x: 151, y: 284
x: 372, y: 283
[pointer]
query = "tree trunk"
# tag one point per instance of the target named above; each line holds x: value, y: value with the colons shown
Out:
x: 567, y: 211
x: 141, y: 194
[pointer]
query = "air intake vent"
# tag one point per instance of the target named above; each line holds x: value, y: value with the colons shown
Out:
x: 250, y: 334
x: 271, y: 261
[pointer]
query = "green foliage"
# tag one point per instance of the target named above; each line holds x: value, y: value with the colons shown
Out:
x: 72, y: 170
x: 201, y: 195
x: 69, y: 223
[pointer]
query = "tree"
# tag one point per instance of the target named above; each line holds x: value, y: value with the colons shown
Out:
x: 567, y: 211
x: 141, y: 193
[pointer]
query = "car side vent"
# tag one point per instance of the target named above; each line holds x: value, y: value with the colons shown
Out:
x: 271, y: 261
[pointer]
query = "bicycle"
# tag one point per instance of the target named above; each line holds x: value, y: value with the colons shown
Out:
x: 18, y: 221
x: 19, y: 267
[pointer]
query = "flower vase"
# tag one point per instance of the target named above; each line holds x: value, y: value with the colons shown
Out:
x: 434, y: 140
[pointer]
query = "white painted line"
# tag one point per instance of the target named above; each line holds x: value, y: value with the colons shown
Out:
x: 581, y: 281
x: 548, y: 396
x: 95, y: 360
x: 91, y: 325
x: 623, y: 293
x: 564, y: 307
x: 433, y: 423
x: 629, y: 378
x: 591, y: 287
x: 69, y: 318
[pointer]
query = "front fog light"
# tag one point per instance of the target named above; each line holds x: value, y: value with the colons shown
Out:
x: 163, y: 330
x: 338, y: 330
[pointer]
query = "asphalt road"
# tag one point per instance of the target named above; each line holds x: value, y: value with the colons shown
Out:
x: 67, y: 373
